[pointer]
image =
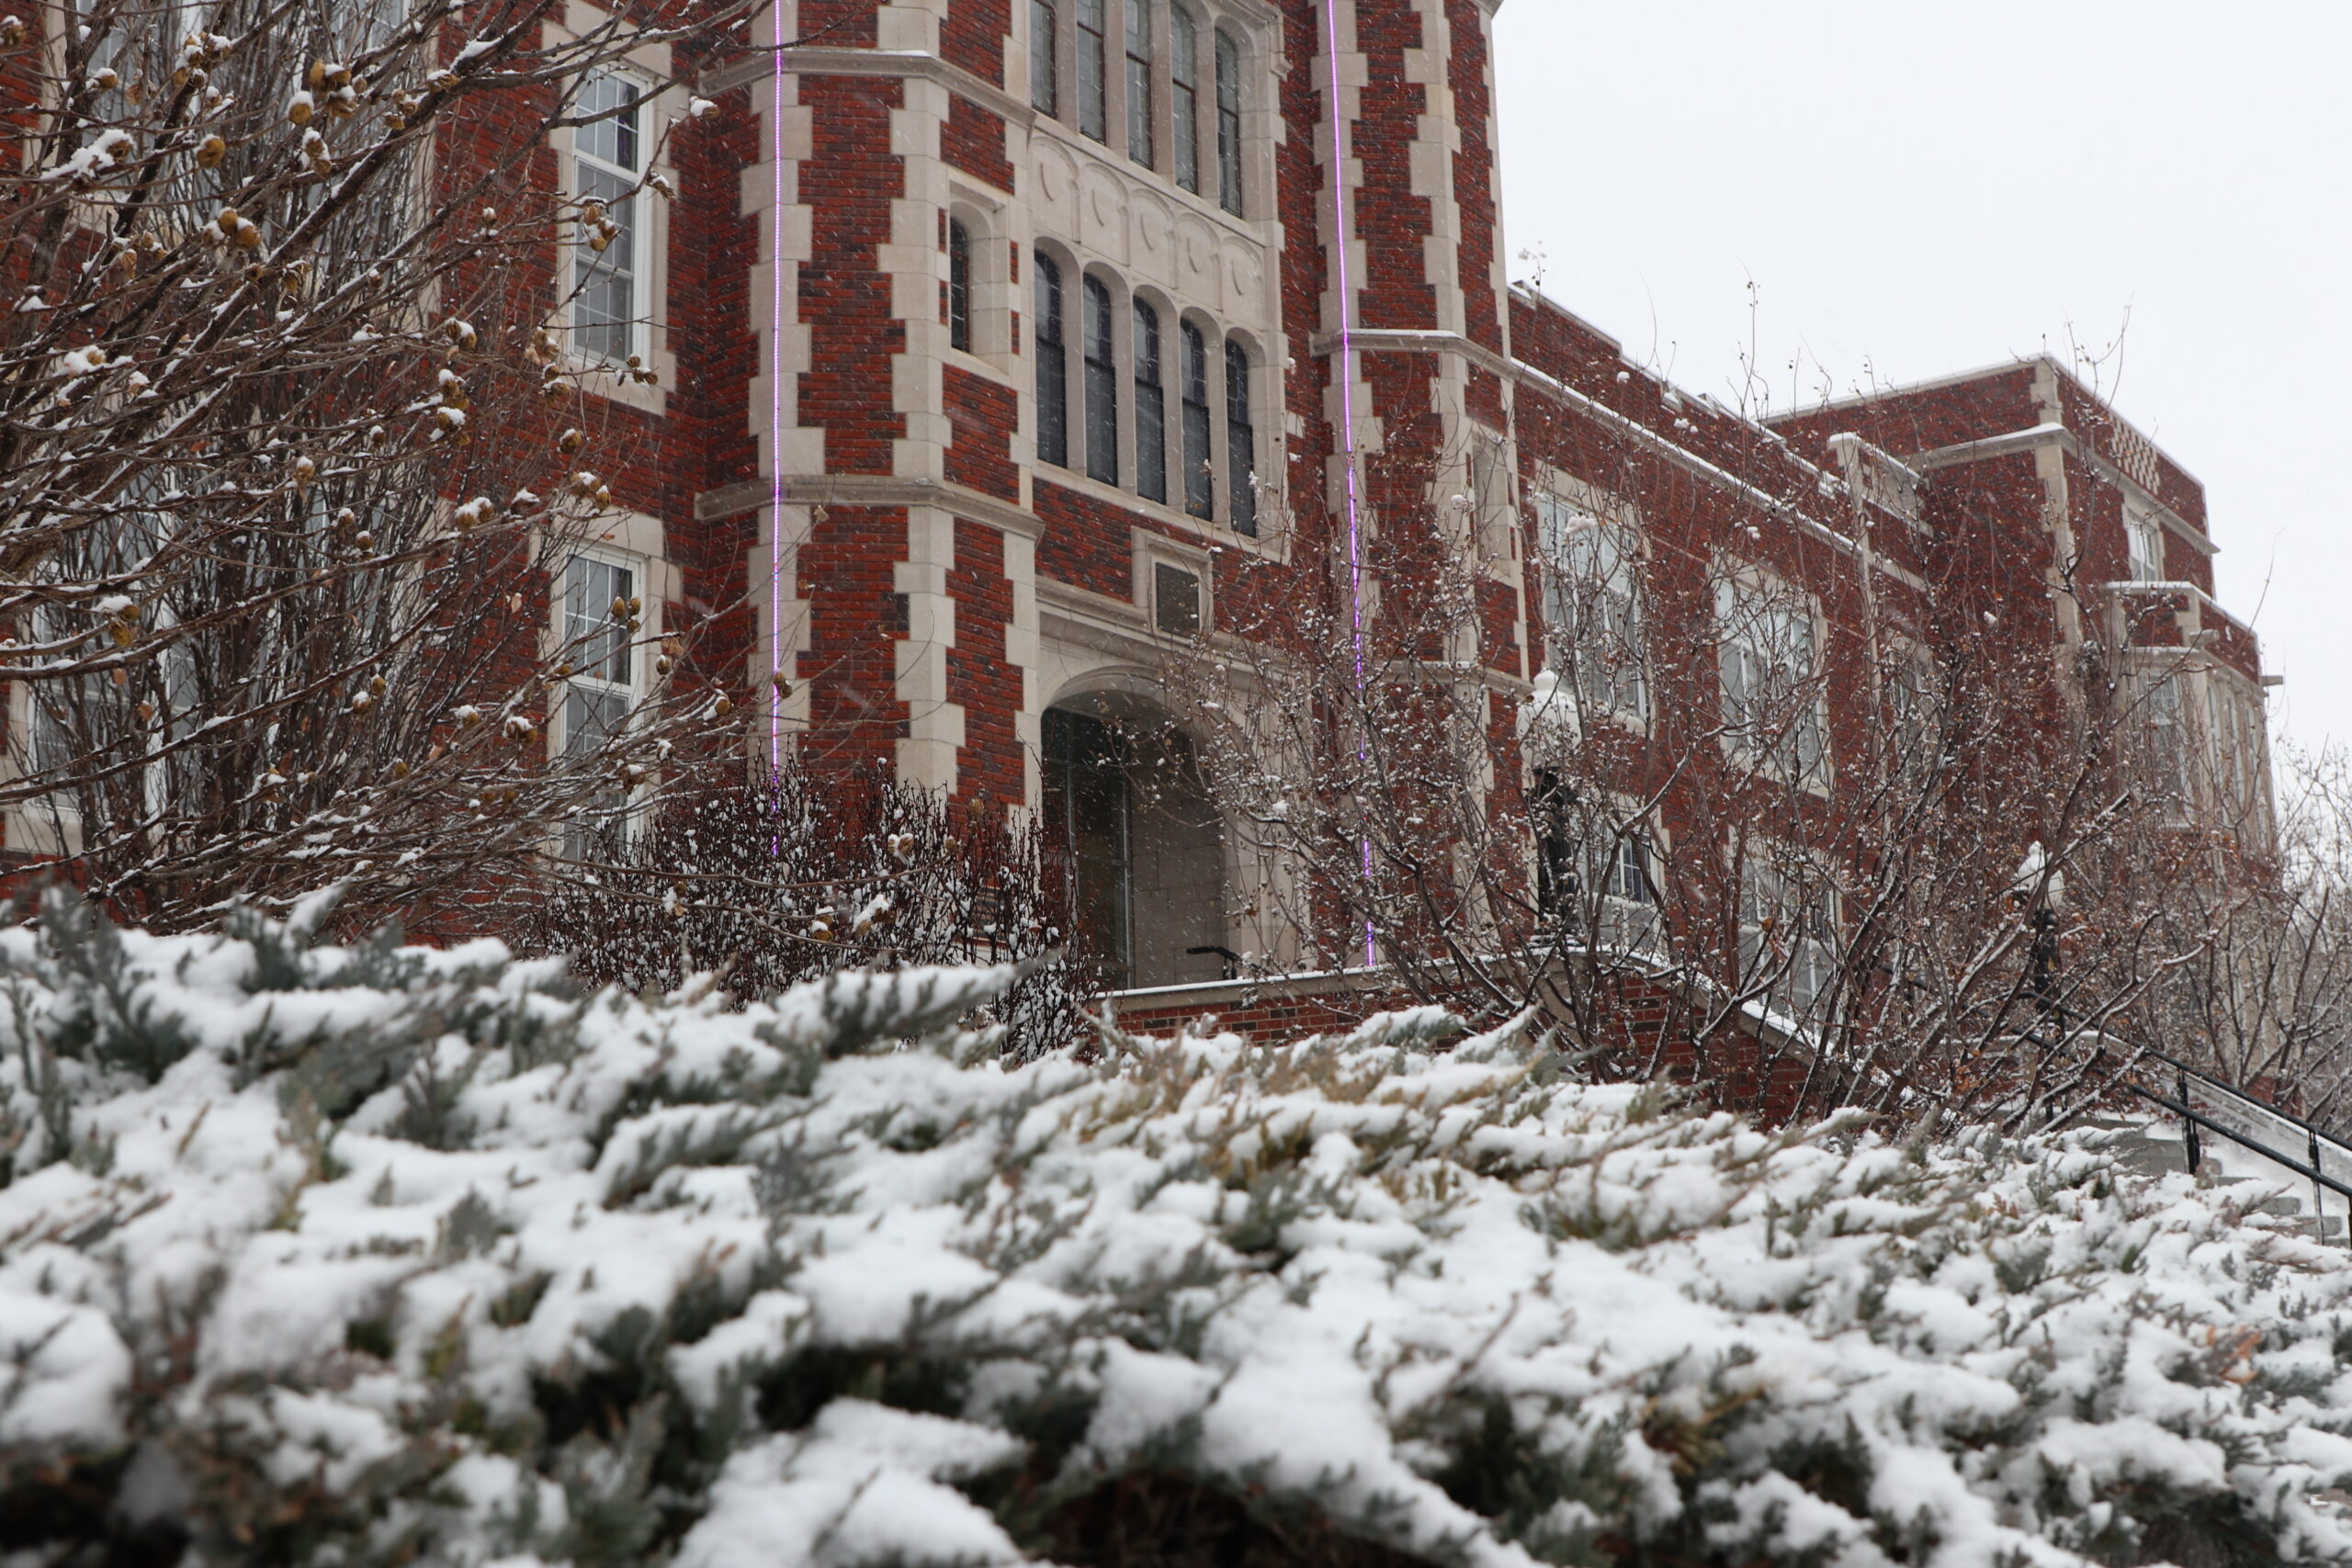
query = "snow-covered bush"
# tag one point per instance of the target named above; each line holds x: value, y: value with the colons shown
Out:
x: 371, y: 1255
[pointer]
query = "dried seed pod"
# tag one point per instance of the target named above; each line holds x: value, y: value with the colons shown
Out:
x: 210, y: 152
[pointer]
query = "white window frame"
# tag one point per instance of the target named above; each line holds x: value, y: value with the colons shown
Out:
x: 647, y: 64
x: 1746, y: 602
x: 627, y: 212
x: 2164, y: 704
x: 1605, y: 664
x: 2144, y: 544
x: 646, y: 578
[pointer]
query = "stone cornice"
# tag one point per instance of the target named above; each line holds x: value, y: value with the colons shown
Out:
x: 2036, y: 437
x: 817, y: 60
x: 866, y: 490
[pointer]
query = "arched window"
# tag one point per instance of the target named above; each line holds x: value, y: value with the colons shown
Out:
x: 959, y: 286
x: 1094, y: 108
x: 1139, y: 81
x: 1240, y: 438
x: 1151, y: 408
x: 1044, y: 26
x: 1200, y: 478
x: 1184, y: 81
x: 1228, y: 123
x: 1102, y: 386
x: 1053, y: 367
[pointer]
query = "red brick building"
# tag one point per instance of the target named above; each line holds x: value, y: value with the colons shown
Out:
x: 997, y: 336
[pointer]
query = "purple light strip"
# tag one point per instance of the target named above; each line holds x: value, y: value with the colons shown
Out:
x: 776, y: 424
x: 1348, y: 403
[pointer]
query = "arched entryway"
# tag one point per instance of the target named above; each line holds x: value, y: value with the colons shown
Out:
x: 1123, y: 799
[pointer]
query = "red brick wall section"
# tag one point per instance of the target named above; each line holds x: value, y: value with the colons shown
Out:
x: 981, y: 416
x: 979, y: 677
x: 973, y: 37
x: 973, y: 141
x: 1390, y: 221
x: 854, y: 617
x: 1474, y: 172
x: 1086, y: 542
x: 849, y: 183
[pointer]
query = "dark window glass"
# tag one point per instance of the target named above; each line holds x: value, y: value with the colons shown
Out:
x: 959, y: 287
x: 1184, y: 76
x: 1043, y: 55
x: 1139, y: 81
x: 1094, y: 111
x: 1088, y: 817
x: 1175, y: 600
x: 1228, y: 124
x: 1052, y: 367
x: 1240, y: 439
x: 1151, y: 408
x: 1101, y: 387
x: 1200, y: 478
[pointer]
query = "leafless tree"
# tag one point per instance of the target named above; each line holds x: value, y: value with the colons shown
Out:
x: 1946, y: 893
x: 294, y: 439
x: 813, y: 872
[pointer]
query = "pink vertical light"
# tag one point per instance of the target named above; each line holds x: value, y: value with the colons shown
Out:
x: 775, y: 423
x: 1348, y: 403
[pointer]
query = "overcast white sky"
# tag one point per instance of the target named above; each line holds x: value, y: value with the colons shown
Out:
x: 1915, y: 189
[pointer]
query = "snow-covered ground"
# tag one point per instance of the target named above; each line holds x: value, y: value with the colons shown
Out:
x: 329, y: 1254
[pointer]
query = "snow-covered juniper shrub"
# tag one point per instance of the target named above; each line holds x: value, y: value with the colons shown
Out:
x: 369, y: 1255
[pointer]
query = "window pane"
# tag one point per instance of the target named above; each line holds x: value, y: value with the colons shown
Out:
x: 612, y: 140
x: 1043, y: 55
x: 1053, y: 369
x: 1240, y: 439
x: 603, y: 311
x: 1175, y: 600
x: 1094, y: 115
x: 1228, y: 123
x: 1101, y: 387
x: 959, y: 287
x: 1151, y: 408
x: 1139, y: 21
x: 596, y: 620
x: 1184, y: 77
x: 1200, y: 489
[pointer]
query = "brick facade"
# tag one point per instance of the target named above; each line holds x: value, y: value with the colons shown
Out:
x: 943, y: 578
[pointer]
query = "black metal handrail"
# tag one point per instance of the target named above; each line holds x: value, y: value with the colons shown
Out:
x: 2256, y: 1101
x: 2196, y: 1118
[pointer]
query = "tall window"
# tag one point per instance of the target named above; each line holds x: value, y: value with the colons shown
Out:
x: 1592, y: 614
x: 1101, y: 387
x: 2167, y: 743
x: 1088, y: 817
x: 1042, y: 57
x: 1139, y: 81
x: 1228, y: 123
x: 1772, y: 697
x: 1200, y: 478
x: 1240, y: 438
x: 1184, y: 77
x: 1094, y: 108
x: 1052, y: 367
x: 599, y: 602
x: 959, y: 286
x: 610, y: 156
x: 1151, y: 408
x: 2146, y: 538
